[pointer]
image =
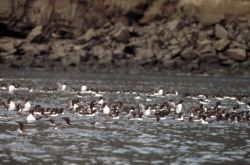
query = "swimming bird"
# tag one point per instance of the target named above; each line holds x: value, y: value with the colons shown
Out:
x: 75, y: 105
x: 158, y: 118
x: 52, y: 122
x: 203, y: 120
x: 61, y: 86
x: 31, y: 118
x: 158, y: 93
x: 116, y: 114
x: 106, y: 109
x: 137, y: 97
x: 178, y: 108
x: 130, y: 111
x: 133, y: 116
x: 11, y: 89
x: 20, y: 129
x: 10, y: 105
x: 171, y: 105
x: 72, y: 105
x: 235, y: 119
x: 67, y: 121
x: 92, y: 111
x: 100, y: 101
x: 83, y: 89
x: 147, y: 112
x: 180, y: 117
x: 26, y: 107
x: 148, y: 99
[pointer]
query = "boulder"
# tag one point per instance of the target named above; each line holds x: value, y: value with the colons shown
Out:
x: 207, y: 57
x: 98, y: 51
x: 104, y: 55
x: 173, y: 41
x: 241, y: 38
x: 106, y: 58
x: 43, y: 49
x: 184, y: 42
x: 172, y: 25
x: 89, y: 35
x: 194, y: 65
x: 235, y: 44
x: 205, y: 46
x: 227, y: 62
x: 174, y: 50
x: 58, y: 51
x: 7, y: 45
x: 169, y: 64
x: 163, y: 53
x: 143, y: 53
x: 202, y: 35
x: 188, y: 54
x: 136, y: 31
x: 222, y: 57
x: 71, y: 60
x: 29, y: 49
x: 138, y: 43
x: 242, y: 18
x: 236, y: 54
x: 220, y: 31
x: 35, y: 32
x: 221, y: 44
x: 122, y: 35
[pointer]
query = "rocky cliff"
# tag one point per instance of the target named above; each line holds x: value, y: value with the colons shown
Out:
x: 200, y: 36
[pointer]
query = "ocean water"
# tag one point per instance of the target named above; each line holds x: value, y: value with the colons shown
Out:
x: 121, y: 141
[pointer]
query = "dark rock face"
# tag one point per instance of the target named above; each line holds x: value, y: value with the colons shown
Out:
x: 108, y: 35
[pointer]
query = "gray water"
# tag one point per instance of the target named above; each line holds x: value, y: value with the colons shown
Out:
x: 120, y: 141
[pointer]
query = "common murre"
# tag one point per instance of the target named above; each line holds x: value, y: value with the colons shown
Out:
x: 116, y: 114
x: 53, y: 124
x: 11, y: 89
x: 203, y: 120
x: 147, y: 111
x: 179, y: 106
x: 31, y: 118
x: 83, y: 89
x: 106, y: 109
x: 72, y: 105
x: 67, y: 121
x: 20, y: 129
x: 61, y: 86
x: 100, y: 101
x: 180, y: 117
x: 10, y: 105
x: 26, y: 107
x: 171, y: 105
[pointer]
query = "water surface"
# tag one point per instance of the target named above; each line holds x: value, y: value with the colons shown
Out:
x: 121, y: 141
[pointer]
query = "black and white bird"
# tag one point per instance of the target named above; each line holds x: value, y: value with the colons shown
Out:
x: 26, y: 106
x: 20, y: 129
x: 10, y: 105
x: 67, y: 121
x: 11, y: 89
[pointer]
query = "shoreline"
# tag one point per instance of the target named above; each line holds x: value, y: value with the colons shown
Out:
x: 76, y: 72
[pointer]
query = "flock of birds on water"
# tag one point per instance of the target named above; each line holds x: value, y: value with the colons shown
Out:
x: 201, y: 110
